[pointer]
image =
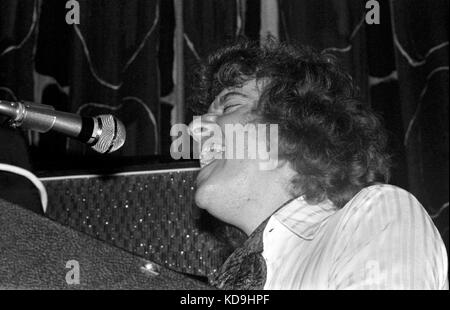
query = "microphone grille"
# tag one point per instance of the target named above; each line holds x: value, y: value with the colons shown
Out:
x: 112, y: 134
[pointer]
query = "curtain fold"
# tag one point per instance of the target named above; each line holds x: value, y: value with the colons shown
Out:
x: 18, y: 23
x: 401, y: 66
x: 333, y: 25
x: 420, y: 38
x: 115, y: 68
x: 208, y: 25
x: 106, y: 64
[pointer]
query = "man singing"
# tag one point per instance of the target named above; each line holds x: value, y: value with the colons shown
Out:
x: 320, y: 218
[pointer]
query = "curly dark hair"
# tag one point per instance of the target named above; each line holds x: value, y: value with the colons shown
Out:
x: 335, y: 142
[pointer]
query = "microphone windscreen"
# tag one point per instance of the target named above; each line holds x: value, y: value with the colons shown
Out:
x: 112, y: 134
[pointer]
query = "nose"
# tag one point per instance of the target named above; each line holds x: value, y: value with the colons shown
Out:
x: 203, y: 126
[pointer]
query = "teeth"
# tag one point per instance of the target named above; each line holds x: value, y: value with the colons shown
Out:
x: 216, y: 148
x: 211, y: 152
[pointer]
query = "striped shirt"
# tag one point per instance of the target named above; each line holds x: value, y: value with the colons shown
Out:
x: 382, y: 239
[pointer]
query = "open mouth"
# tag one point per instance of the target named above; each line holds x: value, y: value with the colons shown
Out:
x: 211, y: 152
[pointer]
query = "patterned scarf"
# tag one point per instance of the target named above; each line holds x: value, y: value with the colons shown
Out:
x: 245, y: 268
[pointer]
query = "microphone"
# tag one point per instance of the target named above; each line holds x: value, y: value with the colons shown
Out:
x: 104, y: 133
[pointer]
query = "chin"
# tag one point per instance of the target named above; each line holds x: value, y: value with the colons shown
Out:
x: 207, y: 193
x: 202, y: 197
x: 208, y: 199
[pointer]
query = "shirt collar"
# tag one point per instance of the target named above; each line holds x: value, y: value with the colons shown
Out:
x: 305, y: 219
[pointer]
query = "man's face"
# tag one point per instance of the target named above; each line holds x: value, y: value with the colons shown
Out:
x: 227, y: 187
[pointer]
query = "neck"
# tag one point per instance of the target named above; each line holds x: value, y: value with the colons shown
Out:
x: 268, y: 194
x: 262, y: 208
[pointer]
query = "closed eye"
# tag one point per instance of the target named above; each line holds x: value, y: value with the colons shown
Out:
x: 226, y: 108
x: 232, y: 100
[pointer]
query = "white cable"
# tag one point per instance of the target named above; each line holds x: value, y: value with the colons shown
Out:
x: 33, y: 179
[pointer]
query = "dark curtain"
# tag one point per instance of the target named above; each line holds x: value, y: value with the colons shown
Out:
x: 335, y: 25
x: 208, y: 25
x: 18, y: 20
x: 420, y: 36
x: 401, y: 66
x: 122, y: 40
x: 106, y: 64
